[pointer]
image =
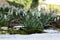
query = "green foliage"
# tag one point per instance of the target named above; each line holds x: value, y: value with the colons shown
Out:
x: 25, y: 3
x: 34, y: 4
x: 34, y: 21
x: 46, y: 18
x: 7, y: 14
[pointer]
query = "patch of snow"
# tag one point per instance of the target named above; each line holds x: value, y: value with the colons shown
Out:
x: 4, y: 28
x: 17, y: 27
x: 44, y: 36
x: 51, y: 31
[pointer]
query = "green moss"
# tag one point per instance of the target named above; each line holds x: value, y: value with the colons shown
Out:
x: 15, y: 32
x: 2, y: 32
